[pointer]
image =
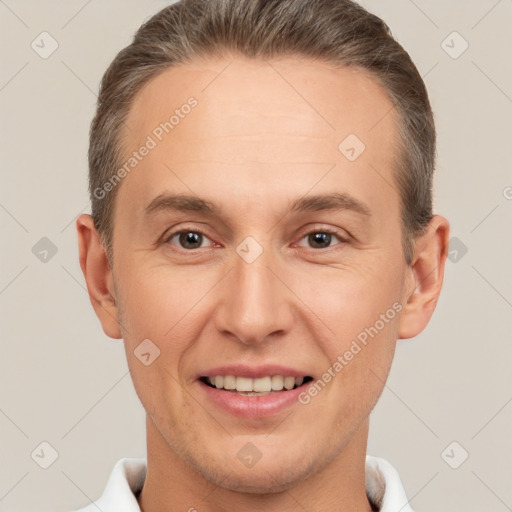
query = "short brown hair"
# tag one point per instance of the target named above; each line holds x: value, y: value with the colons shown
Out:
x: 338, y: 32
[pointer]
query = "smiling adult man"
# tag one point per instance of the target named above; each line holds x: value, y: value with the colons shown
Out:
x: 279, y: 224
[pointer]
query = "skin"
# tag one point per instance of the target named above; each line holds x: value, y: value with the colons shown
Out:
x: 262, y: 135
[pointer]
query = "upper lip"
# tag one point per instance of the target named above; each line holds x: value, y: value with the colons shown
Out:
x: 254, y: 371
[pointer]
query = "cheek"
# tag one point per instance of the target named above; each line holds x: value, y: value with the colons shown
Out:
x: 359, y: 312
x: 157, y: 301
x: 350, y: 300
x: 161, y: 316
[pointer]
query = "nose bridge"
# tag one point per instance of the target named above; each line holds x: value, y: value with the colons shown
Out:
x: 255, y: 302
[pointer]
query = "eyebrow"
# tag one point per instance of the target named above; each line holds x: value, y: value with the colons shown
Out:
x: 335, y: 202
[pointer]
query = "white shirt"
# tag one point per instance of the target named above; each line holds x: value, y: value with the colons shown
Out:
x: 383, y: 487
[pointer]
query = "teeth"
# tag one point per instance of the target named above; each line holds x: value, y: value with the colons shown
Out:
x: 289, y: 382
x: 243, y: 384
x: 262, y: 384
x: 277, y: 383
x: 229, y: 382
x: 255, y: 387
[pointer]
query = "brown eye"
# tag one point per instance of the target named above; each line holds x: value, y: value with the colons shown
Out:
x: 321, y: 240
x: 188, y: 239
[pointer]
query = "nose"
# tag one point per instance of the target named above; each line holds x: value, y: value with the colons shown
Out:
x: 255, y: 304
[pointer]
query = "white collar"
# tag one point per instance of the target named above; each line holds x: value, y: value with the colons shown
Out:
x: 383, y: 487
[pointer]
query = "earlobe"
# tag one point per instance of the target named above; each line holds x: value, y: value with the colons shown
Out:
x: 98, y: 276
x: 424, y: 278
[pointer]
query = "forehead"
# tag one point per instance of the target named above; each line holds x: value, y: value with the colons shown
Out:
x: 261, y: 126
x: 249, y: 92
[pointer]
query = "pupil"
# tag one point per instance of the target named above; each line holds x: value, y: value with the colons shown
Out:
x: 318, y: 239
x: 190, y: 240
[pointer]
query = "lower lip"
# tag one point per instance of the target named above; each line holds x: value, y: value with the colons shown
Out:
x: 253, y: 406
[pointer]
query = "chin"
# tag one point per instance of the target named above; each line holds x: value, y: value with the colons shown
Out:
x: 261, y: 480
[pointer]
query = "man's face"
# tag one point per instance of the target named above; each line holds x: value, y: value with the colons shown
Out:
x: 269, y: 281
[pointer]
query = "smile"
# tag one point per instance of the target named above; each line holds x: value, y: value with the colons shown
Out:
x: 261, y: 386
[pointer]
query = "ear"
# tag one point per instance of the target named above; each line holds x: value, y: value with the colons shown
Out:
x: 424, y: 278
x: 98, y: 276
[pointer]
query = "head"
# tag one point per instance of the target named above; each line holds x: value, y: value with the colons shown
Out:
x: 340, y: 33
x: 261, y: 186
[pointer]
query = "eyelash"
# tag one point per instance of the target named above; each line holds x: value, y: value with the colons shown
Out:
x: 342, y: 240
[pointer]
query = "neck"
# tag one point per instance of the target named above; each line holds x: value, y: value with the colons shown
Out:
x: 171, y: 484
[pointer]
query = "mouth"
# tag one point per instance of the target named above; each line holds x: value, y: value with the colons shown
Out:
x: 261, y: 386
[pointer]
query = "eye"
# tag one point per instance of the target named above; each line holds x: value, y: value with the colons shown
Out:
x: 188, y: 239
x: 322, y: 239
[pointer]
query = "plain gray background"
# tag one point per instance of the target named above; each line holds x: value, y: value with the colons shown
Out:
x: 63, y: 382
